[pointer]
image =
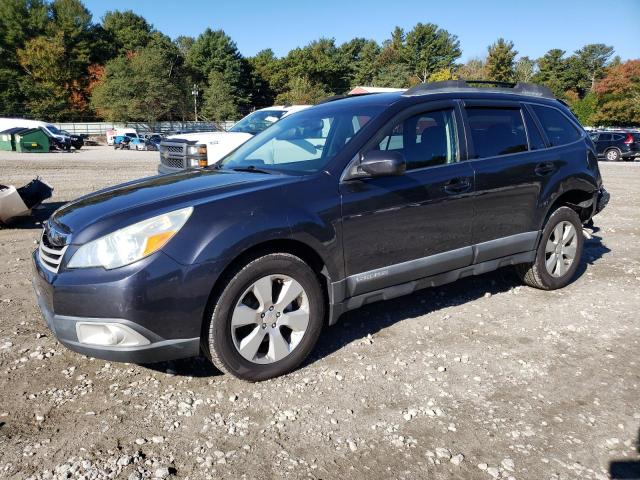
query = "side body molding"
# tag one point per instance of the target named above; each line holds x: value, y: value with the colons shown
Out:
x: 501, y: 247
x: 407, y: 277
x: 406, y: 271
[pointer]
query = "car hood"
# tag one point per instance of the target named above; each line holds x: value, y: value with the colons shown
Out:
x: 218, y: 143
x: 113, y: 208
x: 211, y: 137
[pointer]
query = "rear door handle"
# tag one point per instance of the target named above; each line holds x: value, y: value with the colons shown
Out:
x: 457, y: 185
x: 544, y: 168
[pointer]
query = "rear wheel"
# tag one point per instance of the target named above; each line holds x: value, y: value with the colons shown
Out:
x: 558, y: 254
x: 612, y: 155
x: 267, y: 319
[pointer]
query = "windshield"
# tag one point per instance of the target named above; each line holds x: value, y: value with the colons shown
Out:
x: 304, y: 142
x: 131, y: 135
x: 257, y: 121
x: 54, y: 130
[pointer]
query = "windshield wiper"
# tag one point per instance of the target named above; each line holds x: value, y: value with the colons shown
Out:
x: 249, y: 168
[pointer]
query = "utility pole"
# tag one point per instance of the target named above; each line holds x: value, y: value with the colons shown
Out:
x: 195, y: 92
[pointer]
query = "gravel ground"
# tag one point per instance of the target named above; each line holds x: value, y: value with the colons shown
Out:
x: 480, y: 379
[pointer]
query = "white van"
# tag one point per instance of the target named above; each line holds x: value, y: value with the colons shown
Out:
x: 51, y: 130
x: 121, y: 132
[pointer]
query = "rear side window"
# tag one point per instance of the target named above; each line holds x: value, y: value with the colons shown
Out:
x: 425, y: 140
x: 496, y: 131
x: 605, y: 137
x: 617, y: 137
x: 559, y: 129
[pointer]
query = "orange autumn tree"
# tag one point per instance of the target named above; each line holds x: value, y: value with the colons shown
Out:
x: 81, y: 89
x: 618, y: 95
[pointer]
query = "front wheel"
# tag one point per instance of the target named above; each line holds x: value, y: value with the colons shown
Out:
x: 267, y: 319
x: 558, y: 254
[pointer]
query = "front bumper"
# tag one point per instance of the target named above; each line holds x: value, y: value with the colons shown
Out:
x: 165, y: 170
x: 64, y: 328
x: 160, y: 300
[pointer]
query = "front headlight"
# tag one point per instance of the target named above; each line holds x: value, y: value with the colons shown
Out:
x: 131, y: 243
x: 197, y: 150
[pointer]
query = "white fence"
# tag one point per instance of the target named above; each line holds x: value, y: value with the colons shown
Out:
x: 100, y: 128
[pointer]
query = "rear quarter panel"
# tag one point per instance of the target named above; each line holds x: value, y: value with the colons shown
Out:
x: 575, y: 172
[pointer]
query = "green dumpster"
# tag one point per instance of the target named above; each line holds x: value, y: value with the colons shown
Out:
x: 32, y: 140
x: 8, y: 140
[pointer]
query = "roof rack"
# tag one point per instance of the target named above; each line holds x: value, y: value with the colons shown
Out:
x: 520, y: 88
x: 333, y: 98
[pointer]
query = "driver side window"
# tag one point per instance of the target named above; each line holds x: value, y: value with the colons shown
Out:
x: 425, y: 140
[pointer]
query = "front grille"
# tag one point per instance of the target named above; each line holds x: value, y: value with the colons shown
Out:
x: 50, y: 256
x: 172, y: 155
x: 172, y: 162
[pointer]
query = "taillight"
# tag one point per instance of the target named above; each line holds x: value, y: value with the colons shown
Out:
x: 629, y: 139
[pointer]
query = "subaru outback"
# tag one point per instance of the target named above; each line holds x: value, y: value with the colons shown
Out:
x: 352, y: 201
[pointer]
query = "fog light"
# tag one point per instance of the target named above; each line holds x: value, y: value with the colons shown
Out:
x: 109, y: 334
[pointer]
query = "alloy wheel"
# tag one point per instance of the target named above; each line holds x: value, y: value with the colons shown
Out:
x: 270, y: 319
x: 560, y: 251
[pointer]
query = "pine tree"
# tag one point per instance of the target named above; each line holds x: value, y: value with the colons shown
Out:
x: 500, y: 61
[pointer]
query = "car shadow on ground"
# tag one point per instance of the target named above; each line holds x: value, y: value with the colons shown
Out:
x: 37, y: 217
x: 371, y: 319
x: 626, y: 469
x: 187, y: 367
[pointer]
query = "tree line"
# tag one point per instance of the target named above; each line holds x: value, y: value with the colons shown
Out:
x: 57, y: 63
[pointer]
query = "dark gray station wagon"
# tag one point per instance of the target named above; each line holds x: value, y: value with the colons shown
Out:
x: 349, y: 202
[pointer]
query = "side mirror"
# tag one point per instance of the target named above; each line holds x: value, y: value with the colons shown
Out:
x: 377, y: 163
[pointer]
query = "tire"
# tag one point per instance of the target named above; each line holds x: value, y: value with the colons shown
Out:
x: 227, y: 335
x: 549, y: 272
x: 612, y: 155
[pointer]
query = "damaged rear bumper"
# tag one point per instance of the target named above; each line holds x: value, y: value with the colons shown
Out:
x: 602, y: 199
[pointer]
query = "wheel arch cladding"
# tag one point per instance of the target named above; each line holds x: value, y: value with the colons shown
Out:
x: 283, y: 245
x: 581, y: 201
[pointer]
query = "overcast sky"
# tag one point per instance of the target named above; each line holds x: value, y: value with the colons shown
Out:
x: 534, y: 26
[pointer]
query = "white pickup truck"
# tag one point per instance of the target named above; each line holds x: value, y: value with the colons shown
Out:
x: 197, y: 150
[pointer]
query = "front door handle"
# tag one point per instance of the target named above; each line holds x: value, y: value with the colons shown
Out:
x: 457, y: 185
x: 545, y: 168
